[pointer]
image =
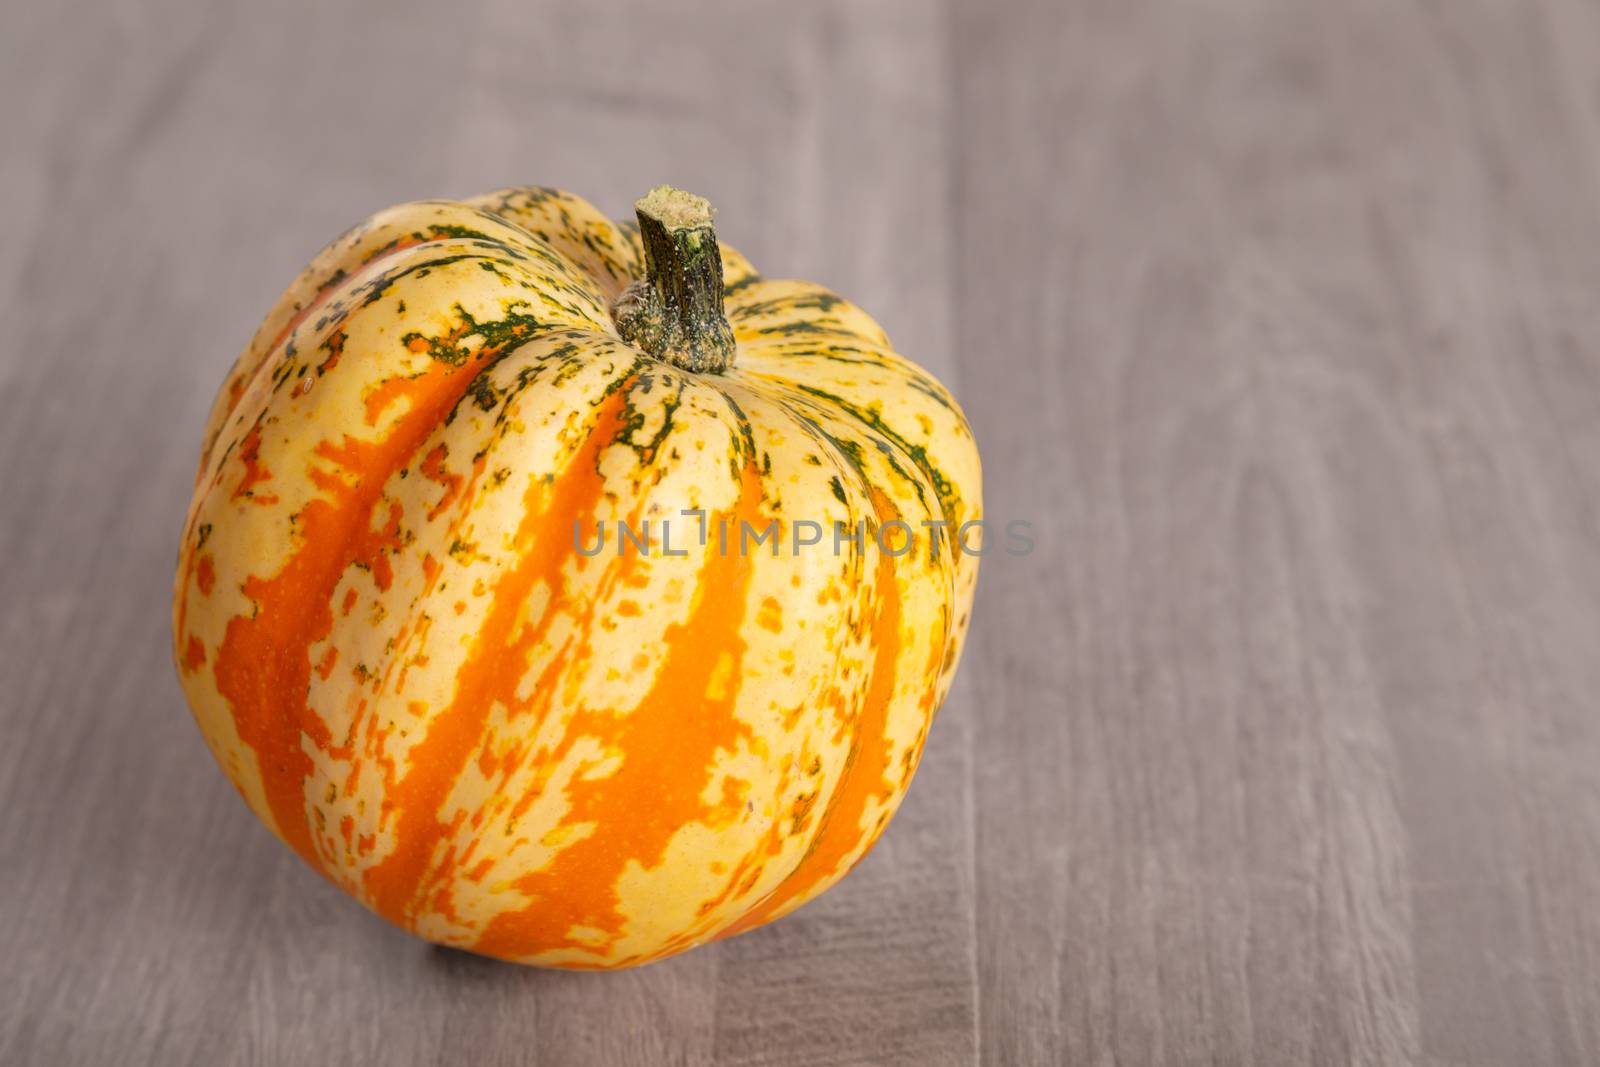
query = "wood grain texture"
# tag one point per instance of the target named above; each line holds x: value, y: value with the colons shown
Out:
x: 1307, y: 748
x: 1275, y: 320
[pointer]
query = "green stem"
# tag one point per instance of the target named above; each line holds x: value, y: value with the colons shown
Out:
x: 675, y: 312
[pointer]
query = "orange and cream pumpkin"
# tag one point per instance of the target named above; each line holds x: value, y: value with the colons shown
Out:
x: 421, y: 644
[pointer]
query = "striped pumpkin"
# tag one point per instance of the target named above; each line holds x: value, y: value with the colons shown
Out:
x: 407, y: 631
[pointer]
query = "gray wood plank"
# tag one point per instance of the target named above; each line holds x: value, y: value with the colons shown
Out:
x: 1287, y: 313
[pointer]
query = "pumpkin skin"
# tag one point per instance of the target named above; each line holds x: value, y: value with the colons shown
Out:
x: 397, y: 652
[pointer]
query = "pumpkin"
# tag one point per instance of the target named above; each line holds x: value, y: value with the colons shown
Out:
x: 565, y: 591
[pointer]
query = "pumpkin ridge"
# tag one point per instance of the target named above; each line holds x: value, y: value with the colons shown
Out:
x: 351, y: 293
x: 263, y: 665
x: 489, y: 440
x: 490, y: 671
x: 944, y: 489
x: 798, y: 399
x: 839, y: 831
x: 657, y: 786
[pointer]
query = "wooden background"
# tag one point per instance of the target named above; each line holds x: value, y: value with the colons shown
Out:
x: 1278, y: 320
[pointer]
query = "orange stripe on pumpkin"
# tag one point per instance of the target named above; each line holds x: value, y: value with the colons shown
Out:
x: 866, y: 770
x: 494, y: 668
x: 433, y: 470
x: 668, y: 744
x: 205, y: 575
x: 263, y: 667
x: 255, y: 472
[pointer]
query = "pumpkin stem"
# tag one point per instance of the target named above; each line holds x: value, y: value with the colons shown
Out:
x: 675, y: 312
